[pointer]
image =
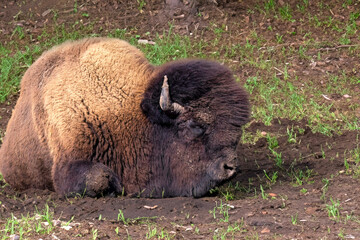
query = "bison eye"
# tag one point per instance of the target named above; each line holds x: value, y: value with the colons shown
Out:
x: 196, y: 129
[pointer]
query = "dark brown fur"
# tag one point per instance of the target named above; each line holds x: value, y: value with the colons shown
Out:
x: 88, y: 120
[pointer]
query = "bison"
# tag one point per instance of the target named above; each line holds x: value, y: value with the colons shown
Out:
x: 95, y: 117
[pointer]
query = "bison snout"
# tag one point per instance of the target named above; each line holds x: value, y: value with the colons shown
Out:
x: 221, y: 170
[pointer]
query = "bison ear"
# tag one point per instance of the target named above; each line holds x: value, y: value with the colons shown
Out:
x: 158, y: 107
x: 165, y: 102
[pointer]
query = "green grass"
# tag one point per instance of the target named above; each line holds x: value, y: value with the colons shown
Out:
x: 300, y: 177
x: 221, y: 212
x: 12, y: 67
x: 275, y: 92
x: 41, y: 223
x: 334, y: 209
x: 352, y: 162
x: 294, y: 219
x: 230, y: 231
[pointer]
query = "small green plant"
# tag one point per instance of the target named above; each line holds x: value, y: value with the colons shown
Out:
x: 278, y: 158
x: 56, y: 15
x: 94, y: 233
x: 151, y: 232
x: 121, y: 217
x: 19, y: 31
x: 302, y: 7
x: 222, y: 209
x: 303, y: 190
x: 230, y: 231
x: 272, y: 142
x: 271, y: 177
x: 40, y: 223
x: 141, y: 5
x: 347, y: 167
x: 269, y: 5
x: 264, y: 195
x: 45, y: 215
x: 251, y: 84
x: 291, y: 135
x: 228, y: 195
x: 341, y: 233
x: 300, y: 177
x: 323, y: 155
x: 352, y: 162
x: 285, y: 13
x: 294, y: 219
x: 324, y: 188
x: 334, y: 209
x: 279, y: 38
x: 75, y: 9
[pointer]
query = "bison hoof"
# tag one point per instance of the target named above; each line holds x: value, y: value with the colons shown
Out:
x: 101, y: 181
x: 86, y: 179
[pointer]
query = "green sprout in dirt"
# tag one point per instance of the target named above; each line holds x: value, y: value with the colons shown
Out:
x: 272, y: 142
x: 300, y: 177
x: 231, y: 190
x: 291, y: 135
x: 278, y: 159
x: 154, y: 232
x: 151, y: 232
x: 75, y: 9
x: 325, y: 188
x: 294, y: 219
x: 269, y: 5
x: 19, y: 31
x: 264, y: 195
x: 334, y: 209
x: 251, y: 84
x: 352, y: 162
x: 41, y: 223
x: 228, y: 195
x: 94, y: 233
x: 141, y: 5
x: 303, y: 190
x: 230, y: 231
x: 223, y: 210
x: 271, y: 177
x: 286, y: 13
x: 347, y: 167
x: 121, y: 217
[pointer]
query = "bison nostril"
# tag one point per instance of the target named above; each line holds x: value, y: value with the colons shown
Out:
x: 228, y: 167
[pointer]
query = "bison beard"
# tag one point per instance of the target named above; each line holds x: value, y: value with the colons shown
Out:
x: 95, y: 118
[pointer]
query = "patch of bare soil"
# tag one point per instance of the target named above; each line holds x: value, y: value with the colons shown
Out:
x: 284, y: 209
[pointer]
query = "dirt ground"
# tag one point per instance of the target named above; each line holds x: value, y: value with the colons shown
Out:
x: 260, y: 215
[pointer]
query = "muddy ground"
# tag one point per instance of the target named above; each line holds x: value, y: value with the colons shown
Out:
x: 284, y: 210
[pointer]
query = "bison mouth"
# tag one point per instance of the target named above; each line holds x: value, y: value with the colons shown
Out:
x: 203, y: 187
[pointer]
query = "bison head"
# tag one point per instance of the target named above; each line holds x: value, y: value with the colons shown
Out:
x: 197, y: 110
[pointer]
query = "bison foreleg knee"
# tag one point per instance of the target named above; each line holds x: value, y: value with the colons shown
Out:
x: 85, y: 178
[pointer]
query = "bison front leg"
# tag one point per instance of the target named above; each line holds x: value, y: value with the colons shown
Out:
x: 85, y: 177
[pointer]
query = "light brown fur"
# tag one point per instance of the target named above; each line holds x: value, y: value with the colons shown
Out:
x: 92, y: 81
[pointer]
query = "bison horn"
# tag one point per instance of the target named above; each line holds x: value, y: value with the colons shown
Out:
x: 165, y: 102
